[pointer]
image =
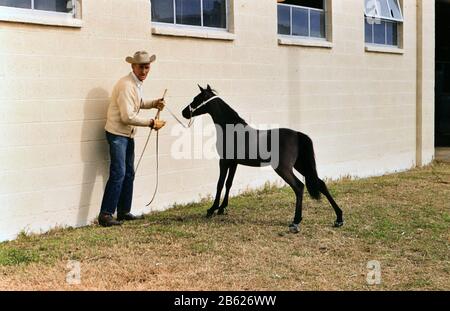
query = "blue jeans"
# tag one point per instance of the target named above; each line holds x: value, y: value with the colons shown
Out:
x: 119, y: 188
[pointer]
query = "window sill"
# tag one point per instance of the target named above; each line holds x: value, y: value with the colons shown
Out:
x: 193, y: 33
x: 35, y: 17
x: 384, y: 49
x: 306, y: 42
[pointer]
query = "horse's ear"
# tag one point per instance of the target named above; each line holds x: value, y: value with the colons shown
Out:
x: 201, y: 89
x: 209, y: 88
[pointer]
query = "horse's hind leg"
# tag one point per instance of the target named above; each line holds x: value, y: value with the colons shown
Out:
x: 223, y: 173
x: 339, y: 220
x: 324, y: 190
x: 288, y: 176
x: 229, y: 183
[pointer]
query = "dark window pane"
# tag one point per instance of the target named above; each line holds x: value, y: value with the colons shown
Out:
x: 53, y: 5
x: 317, y: 4
x: 188, y: 12
x: 300, y: 22
x: 284, y: 20
x: 379, y: 33
x: 162, y: 11
x: 24, y: 4
x: 368, y: 31
x: 214, y: 13
x: 317, y: 24
x: 391, y: 33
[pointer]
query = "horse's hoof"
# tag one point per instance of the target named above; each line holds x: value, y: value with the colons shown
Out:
x: 209, y: 213
x: 293, y: 228
x: 338, y: 224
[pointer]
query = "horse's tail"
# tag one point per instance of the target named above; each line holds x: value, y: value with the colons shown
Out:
x: 308, y: 165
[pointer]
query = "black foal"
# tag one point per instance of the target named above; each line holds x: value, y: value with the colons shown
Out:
x: 283, y: 149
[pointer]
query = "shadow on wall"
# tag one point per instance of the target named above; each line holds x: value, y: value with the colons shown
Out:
x: 94, y: 154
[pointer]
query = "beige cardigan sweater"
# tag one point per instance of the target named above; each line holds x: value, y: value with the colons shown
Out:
x: 122, y: 117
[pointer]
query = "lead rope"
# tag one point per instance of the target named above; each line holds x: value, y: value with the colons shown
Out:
x: 157, y: 148
x: 145, y: 146
x: 157, y: 154
x: 191, y: 122
x: 157, y: 166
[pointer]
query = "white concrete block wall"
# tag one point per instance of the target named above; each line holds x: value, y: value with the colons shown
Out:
x: 425, y: 77
x: 359, y: 107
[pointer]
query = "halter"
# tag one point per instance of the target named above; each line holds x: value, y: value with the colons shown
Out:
x: 201, y: 105
x: 191, y: 111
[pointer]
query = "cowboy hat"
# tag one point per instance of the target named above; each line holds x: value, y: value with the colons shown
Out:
x: 141, y: 57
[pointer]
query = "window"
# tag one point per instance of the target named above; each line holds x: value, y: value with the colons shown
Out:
x: 303, y: 18
x: 202, y: 13
x: 61, y: 6
x: 382, y: 21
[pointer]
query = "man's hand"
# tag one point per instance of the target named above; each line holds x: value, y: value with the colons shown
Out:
x: 159, y: 104
x: 157, y: 124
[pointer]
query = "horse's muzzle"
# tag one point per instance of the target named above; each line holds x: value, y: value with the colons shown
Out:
x: 185, y: 113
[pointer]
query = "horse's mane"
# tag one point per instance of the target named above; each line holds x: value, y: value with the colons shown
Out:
x: 231, y: 114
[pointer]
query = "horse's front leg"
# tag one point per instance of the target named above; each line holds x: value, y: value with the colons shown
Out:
x: 288, y: 176
x: 223, y: 173
x: 228, y: 185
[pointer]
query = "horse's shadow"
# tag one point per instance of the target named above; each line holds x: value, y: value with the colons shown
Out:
x: 226, y: 219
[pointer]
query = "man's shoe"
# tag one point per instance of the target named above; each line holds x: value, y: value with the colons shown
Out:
x: 107, y: 220
x: 128, y: 216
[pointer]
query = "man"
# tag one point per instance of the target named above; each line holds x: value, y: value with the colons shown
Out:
x: 122, y: 120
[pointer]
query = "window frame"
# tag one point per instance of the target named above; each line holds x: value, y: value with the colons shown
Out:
x: 384, y: 17
x: 196, y: 27
x: 34, y: 11
x: 42, y: 17
x: 398, y: 22
x: 309, y: 9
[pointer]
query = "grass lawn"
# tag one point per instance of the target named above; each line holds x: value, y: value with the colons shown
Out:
x: 401, y: 220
